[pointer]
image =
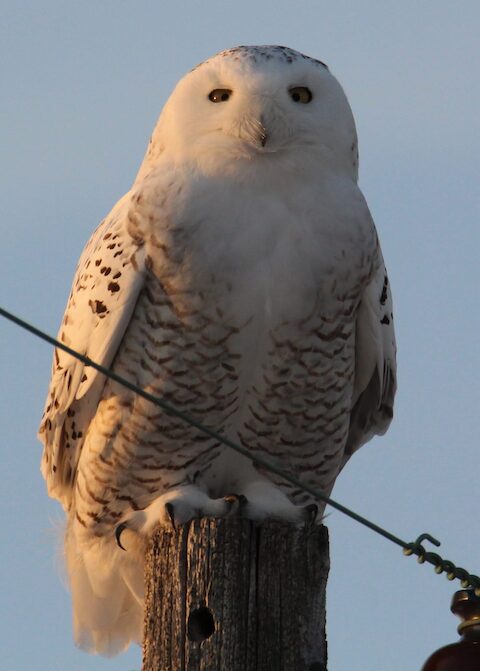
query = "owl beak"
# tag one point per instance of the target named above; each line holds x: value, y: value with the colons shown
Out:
x: 254, y: 130
x: 263, y: 135
x: 262, y: 131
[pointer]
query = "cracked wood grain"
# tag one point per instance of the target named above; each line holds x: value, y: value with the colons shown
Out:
x: 225, y: 595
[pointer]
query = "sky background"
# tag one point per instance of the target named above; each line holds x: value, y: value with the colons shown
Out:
x: 82, y: 86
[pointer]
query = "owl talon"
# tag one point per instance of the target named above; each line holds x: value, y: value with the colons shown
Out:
x: 235, y: 504
x: 242, y: 506
x: 311, y: 512
x: 170, y: 508
x: 118, y: 533
x: 243, y: 501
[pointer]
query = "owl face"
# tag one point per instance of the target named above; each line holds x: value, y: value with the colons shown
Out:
x: 259, y: 104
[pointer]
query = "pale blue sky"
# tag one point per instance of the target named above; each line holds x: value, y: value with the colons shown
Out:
x: 82, y: 86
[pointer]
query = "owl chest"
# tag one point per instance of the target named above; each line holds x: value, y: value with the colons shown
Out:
x: 258, y: 250
x: 248, y: 303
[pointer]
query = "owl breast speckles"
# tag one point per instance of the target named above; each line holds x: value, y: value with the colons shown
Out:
x: 298, y: 409
x: 185, y: 356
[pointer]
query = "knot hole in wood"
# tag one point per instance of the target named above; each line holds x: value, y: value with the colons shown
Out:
x: 201, y: 624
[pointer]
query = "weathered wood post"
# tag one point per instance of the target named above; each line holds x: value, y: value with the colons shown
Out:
x: 224, y: 595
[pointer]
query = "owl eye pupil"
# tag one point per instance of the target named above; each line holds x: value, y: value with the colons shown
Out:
x: 219, y: 95
x: 300, y: 94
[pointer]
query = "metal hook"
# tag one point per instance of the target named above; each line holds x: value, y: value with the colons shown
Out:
x: 441, y: 565
x: 427, y: 537
x: 417, y: 548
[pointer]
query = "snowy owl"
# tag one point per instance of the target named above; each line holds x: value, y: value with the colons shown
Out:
x: 240, y: 279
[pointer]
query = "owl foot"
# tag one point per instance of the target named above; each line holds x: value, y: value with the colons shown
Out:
x: 263, y: 500
x: 310, y: 513
x: 175, y: 507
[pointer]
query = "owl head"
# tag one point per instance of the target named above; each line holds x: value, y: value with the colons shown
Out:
x: 269, y: 107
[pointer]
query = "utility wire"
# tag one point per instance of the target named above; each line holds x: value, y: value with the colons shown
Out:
x: 453, y: 572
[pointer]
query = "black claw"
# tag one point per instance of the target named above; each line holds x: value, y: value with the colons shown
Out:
x: 242, y: 504
x: 171, y: 513
x: 236, y: 503
x: 236, y: 498
x: 231, y: 499
x: 311, y: 512
x: 118, y: 532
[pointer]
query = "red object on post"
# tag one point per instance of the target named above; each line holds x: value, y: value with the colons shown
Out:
x: 465, y: 654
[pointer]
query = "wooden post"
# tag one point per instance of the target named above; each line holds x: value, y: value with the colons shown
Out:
x: 224, y: 595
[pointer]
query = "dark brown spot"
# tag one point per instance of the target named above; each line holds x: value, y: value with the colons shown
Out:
x: 97, y: 307
x: 384, y: 295
x: 113, y: 287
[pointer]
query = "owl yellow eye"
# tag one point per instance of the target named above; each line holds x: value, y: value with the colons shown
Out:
x: 219, y: 95
x: 300, y: 94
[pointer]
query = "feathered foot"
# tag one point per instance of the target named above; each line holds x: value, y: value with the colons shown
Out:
x: 176, y: 507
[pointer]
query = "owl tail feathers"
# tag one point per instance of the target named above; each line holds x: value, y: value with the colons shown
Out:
x: 113, y: 638
x: 106, y: 595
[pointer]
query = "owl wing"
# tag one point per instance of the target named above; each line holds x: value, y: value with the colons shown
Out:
x: 106, y: 286
x: 375, y: 362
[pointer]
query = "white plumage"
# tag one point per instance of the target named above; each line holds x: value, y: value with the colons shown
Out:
x: 242, y: 280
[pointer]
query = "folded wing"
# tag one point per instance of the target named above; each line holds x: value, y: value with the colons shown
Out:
x: 104, y: 293
x: 375, y: 362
